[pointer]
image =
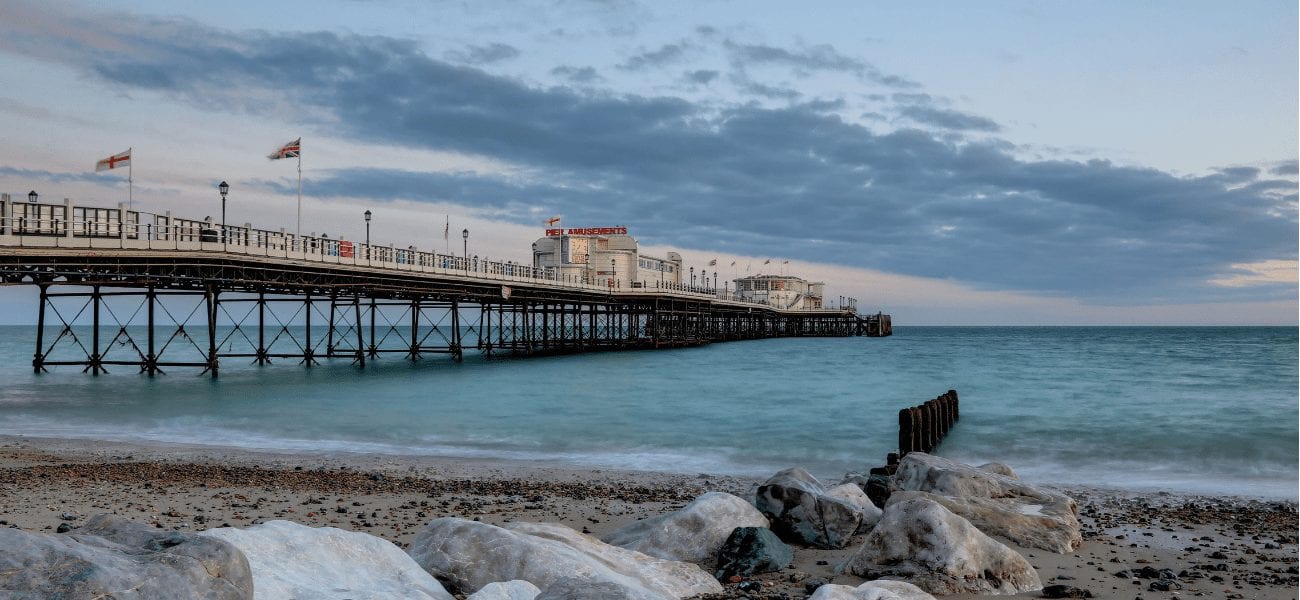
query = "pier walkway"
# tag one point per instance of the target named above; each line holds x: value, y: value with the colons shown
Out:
x: 129, y: 288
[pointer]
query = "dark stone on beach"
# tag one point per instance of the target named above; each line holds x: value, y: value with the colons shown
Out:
x: 573, y: 588
x: 1065, y: 591
x: 811, y: 585
x: 752, y: 550
x: 803, y: 512
x: 879, y: 488
x: 1164, y: 585
x: 110, y: 556
x: 63, y: 528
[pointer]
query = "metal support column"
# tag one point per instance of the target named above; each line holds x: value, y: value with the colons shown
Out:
x: 38, y: 359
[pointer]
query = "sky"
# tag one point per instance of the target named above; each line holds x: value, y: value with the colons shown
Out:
x: 948, y: 163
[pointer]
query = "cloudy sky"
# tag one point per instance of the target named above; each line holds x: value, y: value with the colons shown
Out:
x: 992, y: 162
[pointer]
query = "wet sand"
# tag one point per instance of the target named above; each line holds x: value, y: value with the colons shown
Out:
x: 1214, y: 547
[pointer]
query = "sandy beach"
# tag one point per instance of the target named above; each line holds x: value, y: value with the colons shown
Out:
x: 1218, y: 547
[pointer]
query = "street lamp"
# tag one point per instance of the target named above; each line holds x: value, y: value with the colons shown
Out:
x: 464, y: 236
x: 224, y: 188
x: 367, y: 214
x: 32, y: 195
x: 692, y: 276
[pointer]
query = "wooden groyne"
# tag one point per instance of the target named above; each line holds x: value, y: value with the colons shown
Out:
x: 921, y: 428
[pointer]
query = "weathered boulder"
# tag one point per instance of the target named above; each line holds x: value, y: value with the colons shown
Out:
x: 802, y: 512
x: 506, y: 590
x: 111, y: 556
x: 692, y: 534
x: 999, y: 469
x: 290, y: 560
x: 922, y: 542
x: 854, y: 495
x: 468, y: 555
x: 752, y: 550
x: 880, y: 589
x: 997, y: 504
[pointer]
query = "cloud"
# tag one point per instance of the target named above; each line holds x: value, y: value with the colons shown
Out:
x: 1284, y: 168
x: 482, y: 55
x: 822, y: 57
x: 585, y: 75
x: 741, y: 178
x: 1265, y: 272
x: 944, y: 118
x: 666, y: 55
x: 701, y: 77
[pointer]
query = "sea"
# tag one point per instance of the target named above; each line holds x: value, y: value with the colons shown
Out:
x: 1191, y: 410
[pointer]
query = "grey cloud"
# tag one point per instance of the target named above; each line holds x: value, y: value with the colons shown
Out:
x: 668, y: 54
x: 699, y: 176
x: 822, y: 57
x: 482, y: 55
x: 948, y: 119
x: 911, y: 98
x: 1287, y: 167
x: 578, y: 74
x: 701, y: 77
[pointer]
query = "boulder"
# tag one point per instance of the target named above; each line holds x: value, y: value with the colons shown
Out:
x: 693, y: 534
x: 854, y: 495
x: 752, y: 550
x: 997, y: 504
x: 998, y: 468
x: 880, y: 589
x: 290, y: 560
x: 468, y: 555
x: 112, y: 557
x: 506, y: 590
x: 802, y: 512
x: 922, y: 542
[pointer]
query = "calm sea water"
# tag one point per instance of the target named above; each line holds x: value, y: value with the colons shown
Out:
x: 1210, y: 410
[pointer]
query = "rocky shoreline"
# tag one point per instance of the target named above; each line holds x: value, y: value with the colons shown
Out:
x: 1128, y: 545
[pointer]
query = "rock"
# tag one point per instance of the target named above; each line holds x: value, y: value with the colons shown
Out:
x: 573, y: 588
x: 693, y: 534
x: 1065, y: 591
x: 997, y: 504
x: 506, y: 590
x: 880, y: 589
x: 290, y: 560
x: 852, y: 494
x: 998, y: 469
x: 879, y: 488
x: 468, y: 555
x: 921, y: 541
x: 802, y: 512
x: 110, y: 556
x: 752, y: 550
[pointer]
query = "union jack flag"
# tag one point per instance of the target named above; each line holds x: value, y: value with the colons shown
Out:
x: 291, y: 150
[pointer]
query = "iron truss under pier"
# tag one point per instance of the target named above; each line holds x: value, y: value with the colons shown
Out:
x: 171, y: 298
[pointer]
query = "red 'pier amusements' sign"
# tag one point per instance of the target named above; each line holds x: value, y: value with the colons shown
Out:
x: 586, y: 231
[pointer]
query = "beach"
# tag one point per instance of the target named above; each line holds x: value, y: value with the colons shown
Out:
x: 1218, y: 547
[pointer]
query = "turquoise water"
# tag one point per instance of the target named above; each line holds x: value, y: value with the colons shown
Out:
x: 1182, y: 409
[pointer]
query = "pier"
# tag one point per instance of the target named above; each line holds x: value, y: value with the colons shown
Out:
x: 125, y: 288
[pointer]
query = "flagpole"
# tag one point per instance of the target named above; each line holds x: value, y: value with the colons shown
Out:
x: 299, y: 189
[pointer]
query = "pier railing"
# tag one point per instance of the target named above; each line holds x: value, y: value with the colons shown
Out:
x: 66, y: 225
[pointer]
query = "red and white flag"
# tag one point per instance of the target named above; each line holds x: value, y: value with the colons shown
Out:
x: 121, y: 159
x: 291, y: 150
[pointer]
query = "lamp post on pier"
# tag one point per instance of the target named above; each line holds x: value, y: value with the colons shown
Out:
x: 367, y: 215
x: 224, y: 188
x: 692, y: 277
x: 464, y: 236
x: 32, y: 196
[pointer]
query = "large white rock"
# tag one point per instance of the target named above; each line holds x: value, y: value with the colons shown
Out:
x: 803, y: 512
x: 112, y: 557
x: 997, y: 504
x: 693, y: 534
x: 290, y: 560
x: 852, y: 493
x: 880, y: 589
x: 922, y: 542
x: 506, y: 590
x: 469, y: 555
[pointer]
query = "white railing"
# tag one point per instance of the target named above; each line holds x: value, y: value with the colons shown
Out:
x: 31, y: 225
